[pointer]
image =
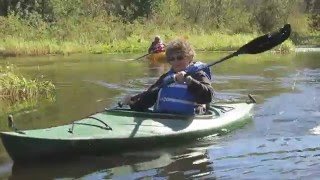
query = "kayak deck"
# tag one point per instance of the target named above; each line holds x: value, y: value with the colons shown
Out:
x: 124, y: 123
x: 116, y: 130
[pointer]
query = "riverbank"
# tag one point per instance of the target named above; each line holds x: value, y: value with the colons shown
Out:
x: 11, y: 46
x: 108, y: 34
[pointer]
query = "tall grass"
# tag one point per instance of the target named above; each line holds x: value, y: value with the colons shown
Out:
x: 104, y: 34
x: 15, y: 87
x: 20, y: 46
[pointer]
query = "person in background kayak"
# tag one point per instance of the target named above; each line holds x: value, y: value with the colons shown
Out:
x: 156, y: 46
x: 187, y: 95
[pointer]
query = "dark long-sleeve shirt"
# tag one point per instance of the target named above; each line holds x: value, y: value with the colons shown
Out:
x: 151, y: 48
x: 200, y: 87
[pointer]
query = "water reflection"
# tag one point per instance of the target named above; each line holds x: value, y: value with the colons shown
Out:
x: 183, y: 164
x: 156, y: 69
x: 166, y: 163
x: 81, y: 167
x: 188, y: 165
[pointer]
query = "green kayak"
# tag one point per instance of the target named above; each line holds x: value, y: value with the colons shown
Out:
x: 120, y: 129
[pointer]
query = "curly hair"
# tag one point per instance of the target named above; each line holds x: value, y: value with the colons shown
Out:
x: 180, y: 46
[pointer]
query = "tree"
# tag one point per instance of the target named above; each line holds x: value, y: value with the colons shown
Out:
x: 271, y: 14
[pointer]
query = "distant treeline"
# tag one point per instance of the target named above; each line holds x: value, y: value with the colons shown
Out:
x: 109, y: 22
x: 238, y: 16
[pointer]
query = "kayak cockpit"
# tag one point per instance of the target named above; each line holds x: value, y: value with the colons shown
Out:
x: 213, y: 112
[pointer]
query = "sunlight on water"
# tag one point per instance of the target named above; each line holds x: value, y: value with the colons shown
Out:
x: 316, y: 130
x: 281, y: 157
x: 294, y: 81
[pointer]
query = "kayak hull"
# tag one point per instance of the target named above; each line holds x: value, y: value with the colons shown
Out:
x: 157, y: 57
x: 117, y: 130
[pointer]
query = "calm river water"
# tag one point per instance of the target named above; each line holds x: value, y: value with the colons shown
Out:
x: 281, y: 142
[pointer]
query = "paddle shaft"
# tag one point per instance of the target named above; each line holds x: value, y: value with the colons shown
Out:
x: 215, y: 62
x: 142, y: 56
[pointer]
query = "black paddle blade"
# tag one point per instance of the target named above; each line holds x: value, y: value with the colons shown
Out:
x: 266, y: 42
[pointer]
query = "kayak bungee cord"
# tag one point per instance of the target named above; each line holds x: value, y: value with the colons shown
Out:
x: 107, y: 127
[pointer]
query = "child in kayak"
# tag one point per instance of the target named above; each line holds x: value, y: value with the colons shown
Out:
x: 156, y: 46
x: 186, y: 95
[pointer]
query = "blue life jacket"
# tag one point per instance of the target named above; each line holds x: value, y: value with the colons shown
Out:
x: 196, y: 66
x: 175, y: 98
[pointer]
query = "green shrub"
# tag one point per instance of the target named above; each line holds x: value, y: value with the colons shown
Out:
x: 17, y: 87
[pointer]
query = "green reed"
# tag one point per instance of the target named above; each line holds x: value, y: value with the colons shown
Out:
x: 16, y: 87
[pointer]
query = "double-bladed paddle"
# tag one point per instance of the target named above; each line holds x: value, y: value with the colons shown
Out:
x: 141, y: 56
x: 257, y: 45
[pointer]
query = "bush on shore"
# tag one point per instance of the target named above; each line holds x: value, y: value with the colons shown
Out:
x: 16, y: 87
